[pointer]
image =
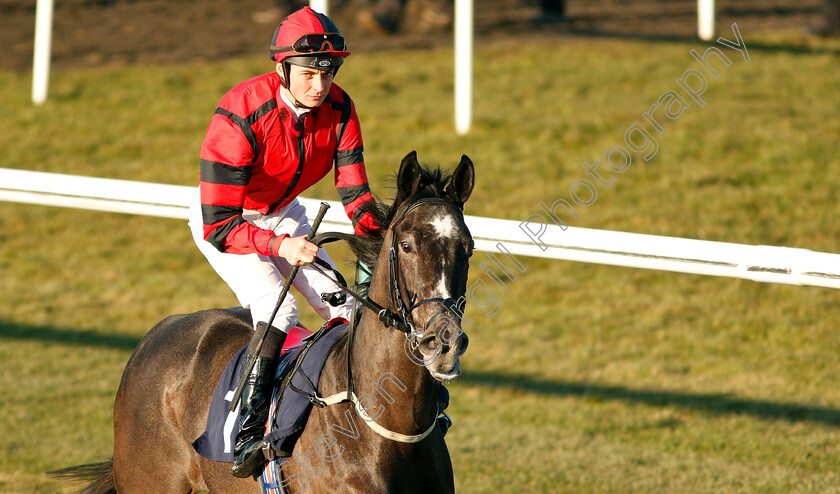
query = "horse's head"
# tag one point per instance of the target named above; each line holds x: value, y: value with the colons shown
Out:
x: 429, y: 246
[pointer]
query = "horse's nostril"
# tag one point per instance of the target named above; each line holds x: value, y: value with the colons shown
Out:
x: 465, y: 341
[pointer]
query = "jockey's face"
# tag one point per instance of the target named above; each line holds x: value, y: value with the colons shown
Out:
x: 308, y: 85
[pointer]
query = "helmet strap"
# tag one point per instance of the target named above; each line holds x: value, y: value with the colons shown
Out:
x: 284, y: 71
x: 300, y: 105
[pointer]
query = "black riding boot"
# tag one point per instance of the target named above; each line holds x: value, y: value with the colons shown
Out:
x: 253, y: 413
x: 256, y: 397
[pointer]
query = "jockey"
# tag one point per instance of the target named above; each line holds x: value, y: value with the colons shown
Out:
x: 270, y: 139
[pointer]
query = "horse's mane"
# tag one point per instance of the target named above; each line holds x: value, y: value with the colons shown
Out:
x: 366, y: 247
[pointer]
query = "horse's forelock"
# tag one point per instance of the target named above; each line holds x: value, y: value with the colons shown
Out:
x: 366, y: 247
x: 433, y: 182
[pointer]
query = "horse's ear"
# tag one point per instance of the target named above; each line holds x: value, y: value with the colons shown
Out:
x: 408, y: 178
x: 463, y: 180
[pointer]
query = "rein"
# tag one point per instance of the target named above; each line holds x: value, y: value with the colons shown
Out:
x: 400, y: 320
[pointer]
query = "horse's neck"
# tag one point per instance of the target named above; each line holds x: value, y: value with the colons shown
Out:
x: 386, y: 379
x: 382, y: 368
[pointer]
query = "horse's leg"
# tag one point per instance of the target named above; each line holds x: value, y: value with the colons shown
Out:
x: 152, y: 460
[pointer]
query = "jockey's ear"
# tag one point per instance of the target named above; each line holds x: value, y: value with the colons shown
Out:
x: 463, y: 180
x: 408, y: 178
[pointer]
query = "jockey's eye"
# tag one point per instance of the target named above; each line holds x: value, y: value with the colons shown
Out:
x: 405, y: 246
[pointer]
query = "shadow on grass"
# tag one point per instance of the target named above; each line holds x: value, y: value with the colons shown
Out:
x: 710, y: 402
x: 10, y: 331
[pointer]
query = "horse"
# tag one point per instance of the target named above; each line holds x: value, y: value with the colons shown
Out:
x: 420, y: 261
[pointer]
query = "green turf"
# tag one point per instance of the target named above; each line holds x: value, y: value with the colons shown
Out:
x: 588, y: 378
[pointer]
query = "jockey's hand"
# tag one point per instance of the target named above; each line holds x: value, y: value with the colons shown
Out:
x: 298, y: 251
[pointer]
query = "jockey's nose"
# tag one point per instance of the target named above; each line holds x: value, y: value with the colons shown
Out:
x: 321, y: 81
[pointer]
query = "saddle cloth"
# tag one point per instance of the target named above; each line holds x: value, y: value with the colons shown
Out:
x: 287, y: 421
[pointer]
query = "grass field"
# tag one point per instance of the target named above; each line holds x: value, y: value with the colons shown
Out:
x: 589, y: 378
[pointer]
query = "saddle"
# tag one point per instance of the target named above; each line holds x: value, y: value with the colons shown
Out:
x: 298, y: 373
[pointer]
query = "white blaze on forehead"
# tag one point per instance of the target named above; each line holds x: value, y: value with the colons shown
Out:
x: 444, y: 226
x: 442, y: 289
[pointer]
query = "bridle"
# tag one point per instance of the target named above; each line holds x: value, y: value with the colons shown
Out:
x: 399, y: 319
x: 405, y: 305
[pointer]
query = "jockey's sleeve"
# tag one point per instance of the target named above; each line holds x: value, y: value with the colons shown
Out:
x: 351, y: 180
x: 227, y: 154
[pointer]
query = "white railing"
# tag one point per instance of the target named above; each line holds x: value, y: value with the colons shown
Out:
x: 762, y: 263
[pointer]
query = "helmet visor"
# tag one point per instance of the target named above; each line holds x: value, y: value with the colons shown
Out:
x: 314, y: 43
x: 316, y: 61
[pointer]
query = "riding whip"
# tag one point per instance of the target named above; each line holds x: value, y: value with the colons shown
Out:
x: 315, y: 224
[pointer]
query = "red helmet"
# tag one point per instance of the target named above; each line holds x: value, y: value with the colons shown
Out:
x: 310, y: 39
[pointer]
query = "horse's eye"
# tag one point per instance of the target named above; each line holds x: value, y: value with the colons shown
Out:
x: 406, y: 247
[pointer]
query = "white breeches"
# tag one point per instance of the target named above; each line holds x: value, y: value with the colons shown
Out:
x: 257, y: 280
